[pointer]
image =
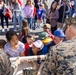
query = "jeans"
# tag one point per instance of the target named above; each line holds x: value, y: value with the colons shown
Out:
x: 19, y: 19
x: 2, y: 20
x: 29, y: 22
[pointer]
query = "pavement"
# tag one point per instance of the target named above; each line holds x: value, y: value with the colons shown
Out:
x: 2, y: 34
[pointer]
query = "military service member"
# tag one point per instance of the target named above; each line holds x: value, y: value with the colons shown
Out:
x: 5, y: 65
x: 62, y: 57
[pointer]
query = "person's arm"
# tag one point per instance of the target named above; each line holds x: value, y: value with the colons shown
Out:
x: 49, y: 66
x: 56, y: 15
x: 22, y: 54
x: 5, y: 65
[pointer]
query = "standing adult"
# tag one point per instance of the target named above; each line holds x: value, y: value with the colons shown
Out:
x: 63, y: 12
x: 2, y: 16
x: 53, y: 16
x: 46, y: 2
x: 62, y: 57
x: 17, y: 14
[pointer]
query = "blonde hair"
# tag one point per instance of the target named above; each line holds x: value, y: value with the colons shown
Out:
x: 31, y: 3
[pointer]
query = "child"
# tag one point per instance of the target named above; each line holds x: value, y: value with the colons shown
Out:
x: 13, y: 47
x: 40, y: 14
x: 58, y: 37
x: 2, y: 43
x: 47, y: 28
x: 30, y: 39
x: 25, y: 31
x: 44, y: 37
x: 36, y: 50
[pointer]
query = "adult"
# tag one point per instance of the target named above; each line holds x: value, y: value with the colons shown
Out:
x: 63, y: 12
x: 46, y: 2
x: 62, y: 57
x: 2, y: 16
x: 53, y: 16
x: 5, y: 65
x: 17, y: 14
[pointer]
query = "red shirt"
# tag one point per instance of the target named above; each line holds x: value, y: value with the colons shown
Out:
x: 51, y: 35
x: 26, y: 49
x: 20, y: 2
x: 34, y: 11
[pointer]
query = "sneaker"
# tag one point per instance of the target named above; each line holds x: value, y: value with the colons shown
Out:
x: 3, y: 30
x: 7, y: 29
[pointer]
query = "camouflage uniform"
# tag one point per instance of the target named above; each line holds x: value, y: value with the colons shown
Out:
x: 5, y: 65
x: 61, y: 59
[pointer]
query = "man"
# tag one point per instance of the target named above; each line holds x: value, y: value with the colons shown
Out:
x: 5, y: 65
x: 62, y: 57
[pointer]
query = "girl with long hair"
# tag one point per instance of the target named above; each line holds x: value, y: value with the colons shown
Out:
x: 28, y: 12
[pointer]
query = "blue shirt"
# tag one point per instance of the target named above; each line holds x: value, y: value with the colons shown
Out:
x: 46, y: 48
x: 39, y: 13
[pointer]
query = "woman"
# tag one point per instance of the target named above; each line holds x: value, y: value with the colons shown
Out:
x: 2, y: 16
x: 13, y: 47
x: 17, y: 14
x: 28, y: 12
x: 53, y: 16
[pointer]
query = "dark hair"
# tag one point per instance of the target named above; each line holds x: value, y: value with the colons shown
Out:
x: 2, y: 43
x: 51, y: 9
x: 9, y: 34
x: 29, y: 35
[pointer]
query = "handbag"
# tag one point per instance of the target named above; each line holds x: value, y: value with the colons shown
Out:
x: 8, y: 13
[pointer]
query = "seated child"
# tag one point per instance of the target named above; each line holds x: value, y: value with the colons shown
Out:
x: 36, y: 50
x: 47, y: 28
x: 44, y: 37
x: 24, y: 32
x: 30, y: 39
x: 13, y: 47
x: 58, y: 37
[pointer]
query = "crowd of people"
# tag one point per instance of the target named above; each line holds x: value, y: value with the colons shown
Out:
x: 56, y: 41
x: 36, y: 13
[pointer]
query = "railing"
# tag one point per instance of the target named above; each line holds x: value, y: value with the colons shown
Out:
x: 16, y: 60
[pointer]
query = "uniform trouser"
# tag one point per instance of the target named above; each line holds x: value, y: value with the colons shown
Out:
x: 2, y: 20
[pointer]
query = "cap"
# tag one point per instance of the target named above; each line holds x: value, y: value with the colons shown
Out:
x: 38, y: 44
x: 47, y: 26
x: 46, y: 40
x: 43, y: 35
x: 59, y: 33
x: 69, y: 21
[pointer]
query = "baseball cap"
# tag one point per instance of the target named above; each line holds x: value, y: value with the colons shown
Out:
x: 38, y: 44
x: 59, y: 33
x: 47, y: 26
x: 46, y: 40
x: 43, y: 35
